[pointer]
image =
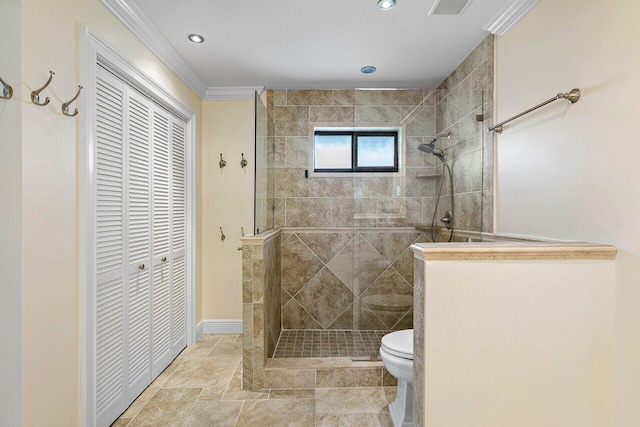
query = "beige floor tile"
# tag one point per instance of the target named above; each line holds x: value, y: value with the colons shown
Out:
x: 342, y: 420
x: 121, y: 422
x: 199, y: 349
x: 280, y: 412
x: 300, y: 393
x: 391, y: 393
x: 200, y: 373
x: 166, y: 408
x: 219, y: 414
x: 226, y: 350
x: 235, y: 392
x: 140, y: 402
x: 229, y: 337
x: 351, y: 400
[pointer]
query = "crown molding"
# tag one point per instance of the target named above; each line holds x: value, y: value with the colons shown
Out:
x: 140, y: 25
x: 509, y: 16
x: 228, y: 93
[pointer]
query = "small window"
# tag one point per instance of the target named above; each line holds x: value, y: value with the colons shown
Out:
x: 355, y: 151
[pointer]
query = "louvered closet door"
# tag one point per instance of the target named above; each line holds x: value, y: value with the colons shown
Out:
x: 110, y: 248
x: 178, y: 236
x: 138, y: 326
x: 161, y: 236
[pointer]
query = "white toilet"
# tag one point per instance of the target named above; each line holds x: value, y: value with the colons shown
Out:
x: 396, y: 352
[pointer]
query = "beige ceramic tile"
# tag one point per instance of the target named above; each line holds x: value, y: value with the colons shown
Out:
x: 302, y: 393
x: 407, y: 98
x: 121, y: 422
x: 325, y: 297
x: 308, y: 212
x: 350, y: 400
x: 295, y: 317
x: 222, y: 414
x: 235, y: 392
x: 167, y: 408
x: 278, y: 412
x: 200, y: 373
x: 297, y: 152
x: 331, y: 114
x: 326, y: 245
x: 330, y: 378
x: 299, y: 265
x: 309, y: 97
x: 279, y: 97
x: 291, y: 121
x: 290, y: 379
x: 140, y: 402
x: 366, y: 97
x: 344, y: 97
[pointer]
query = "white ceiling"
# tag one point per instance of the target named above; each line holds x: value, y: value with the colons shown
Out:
x: 295, y: 44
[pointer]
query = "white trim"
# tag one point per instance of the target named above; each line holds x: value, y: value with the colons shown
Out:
x: 199, y: 331
x: 509, y: 16
x: 92, y: 51
x: 140, y: 25
x: 230, y: 326
x: 238, y: 92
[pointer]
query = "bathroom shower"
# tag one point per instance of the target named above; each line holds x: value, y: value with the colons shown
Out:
x: 431, y: 148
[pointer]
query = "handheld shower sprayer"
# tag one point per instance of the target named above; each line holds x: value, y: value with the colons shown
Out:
x: 431, y: 148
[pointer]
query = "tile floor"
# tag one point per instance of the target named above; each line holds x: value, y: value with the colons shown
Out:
x: 322, y: 343
x: 202, y: 387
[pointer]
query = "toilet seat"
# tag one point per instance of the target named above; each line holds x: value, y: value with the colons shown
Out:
x: 399, y: 344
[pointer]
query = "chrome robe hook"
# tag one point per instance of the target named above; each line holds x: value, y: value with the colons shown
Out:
x: 65, y: 106
x: 222, y: 162
x: 7, y: 91
x: 35, y: 95
x: 243, y: 162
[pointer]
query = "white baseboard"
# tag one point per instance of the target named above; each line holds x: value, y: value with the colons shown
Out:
x: 215, y: 326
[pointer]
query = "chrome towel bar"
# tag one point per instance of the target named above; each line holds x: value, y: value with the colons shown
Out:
x: 572, y: 97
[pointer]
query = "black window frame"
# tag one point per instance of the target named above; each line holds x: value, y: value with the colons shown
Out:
x: 354, y: 151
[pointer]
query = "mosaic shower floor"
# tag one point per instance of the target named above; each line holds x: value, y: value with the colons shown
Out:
x: 334, y: 343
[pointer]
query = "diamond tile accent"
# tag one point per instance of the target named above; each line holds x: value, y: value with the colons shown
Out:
x: 363, y: 318
x: 299, y: 265
x: 390, y: 297
x: 294, y: 317
x: 390, y: 245
x: 325, y: 245
x: 358, y: 265
x: 325, y: 297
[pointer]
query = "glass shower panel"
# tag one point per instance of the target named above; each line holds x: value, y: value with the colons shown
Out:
x: 264, y: 164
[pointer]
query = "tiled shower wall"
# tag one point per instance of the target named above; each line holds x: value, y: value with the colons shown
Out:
x: 261, y: 319
x: 363, y: 201
x: 463, y: 96
x: 359, y: 279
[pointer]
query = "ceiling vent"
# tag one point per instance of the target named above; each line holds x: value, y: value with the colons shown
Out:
x: 449, y: 7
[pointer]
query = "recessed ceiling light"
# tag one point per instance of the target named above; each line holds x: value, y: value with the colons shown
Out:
x: 196, y: 38
x: 369, y: 69
x: 386, y: 4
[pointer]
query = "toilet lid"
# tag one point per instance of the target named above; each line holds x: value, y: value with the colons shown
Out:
x: 399, y: 343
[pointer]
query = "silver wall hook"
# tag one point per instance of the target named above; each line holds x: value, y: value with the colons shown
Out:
x: 65, y: 106
x: 35, y: 95
x: 7, y: 90
x: 242, y: 231
x: 222, y: 162
x: 243, y: 162
x: 222, y: 236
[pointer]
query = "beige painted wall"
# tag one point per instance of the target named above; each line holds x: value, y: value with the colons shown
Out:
x: 518, y: 343
x: 227, y: 202
x: 50, y: 141
x: 571, y: 172
x: 10, y: 219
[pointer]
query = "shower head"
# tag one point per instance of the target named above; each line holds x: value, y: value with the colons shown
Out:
x: 431, y: 146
